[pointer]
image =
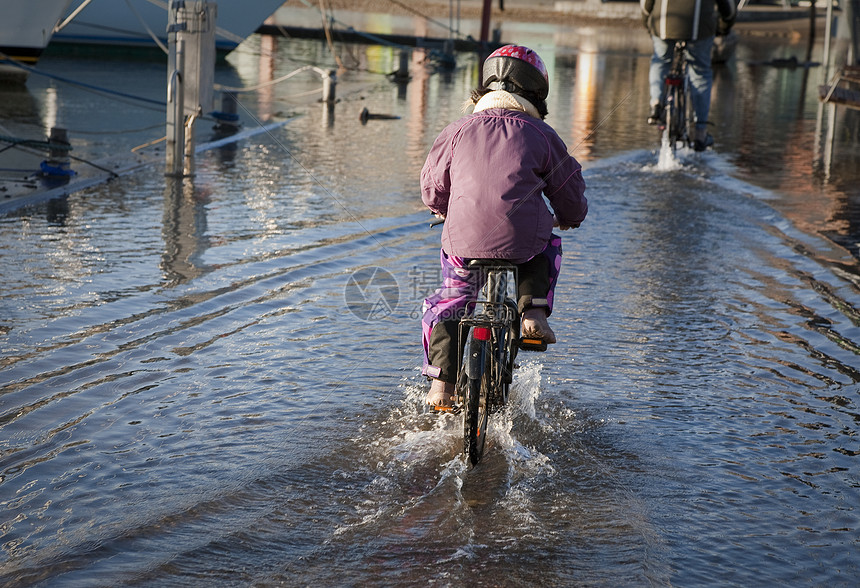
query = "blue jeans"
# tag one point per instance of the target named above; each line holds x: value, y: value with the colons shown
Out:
x: 701, y: 75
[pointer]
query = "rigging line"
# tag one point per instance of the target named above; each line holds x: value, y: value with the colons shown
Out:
x: 302, y: 94
x: 149, y: 144
x: 36, y: 143
x: 32, y: 70
x: 425, y: 17
x: 117, y: 132
x: 373, y: 37
x: 146, y: 27
x: 60, y: 26
x: 327, y: 30
x: 120, y: 99
x: 405, y: 7
x: 112, y: 173
x: 285, y: 77
x: 29, y: 146
x: 376, y: 39
x: 280, y: 144
x: 224, y: 33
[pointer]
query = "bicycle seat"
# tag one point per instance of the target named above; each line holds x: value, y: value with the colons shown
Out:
x: 475, y: 263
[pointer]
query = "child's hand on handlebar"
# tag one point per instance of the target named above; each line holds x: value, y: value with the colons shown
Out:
x: 561, y: 227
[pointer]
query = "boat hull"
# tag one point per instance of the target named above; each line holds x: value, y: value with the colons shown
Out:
x: 25, y: 32
x: 133, y: 23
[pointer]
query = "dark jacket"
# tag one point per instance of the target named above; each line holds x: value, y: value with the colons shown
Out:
x: 488, y: 172
x: 687, y: 20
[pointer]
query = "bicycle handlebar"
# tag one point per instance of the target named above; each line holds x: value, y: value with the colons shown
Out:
x: 440, y: 221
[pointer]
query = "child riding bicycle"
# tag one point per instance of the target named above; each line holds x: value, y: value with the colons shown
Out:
x: 486, y: 175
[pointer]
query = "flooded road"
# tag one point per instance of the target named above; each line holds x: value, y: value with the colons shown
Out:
x: 190, y: 395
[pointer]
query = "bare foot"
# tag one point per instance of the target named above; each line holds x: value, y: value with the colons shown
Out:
x: 536, y: 326
x: 441, y: 395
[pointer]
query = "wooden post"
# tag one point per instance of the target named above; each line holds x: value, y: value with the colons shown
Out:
x: 191, y: 72
x: 485, y: 23
x: 329, y: 87
x: 175, y: 131
x: 402, y: 73
x: 828, y: 32
x: 58, y: 159
x: 811, y: 31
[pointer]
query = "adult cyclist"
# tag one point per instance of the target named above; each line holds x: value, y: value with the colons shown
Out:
x: 695, y: 22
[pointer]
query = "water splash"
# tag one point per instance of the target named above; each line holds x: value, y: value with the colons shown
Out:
x: 668, y: 160
x: 512, y: 430
x: 414, y: 470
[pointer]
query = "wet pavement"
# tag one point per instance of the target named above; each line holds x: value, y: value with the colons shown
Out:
x: 188, y: 396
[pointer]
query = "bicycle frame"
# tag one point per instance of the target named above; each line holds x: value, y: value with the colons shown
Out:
x: 493, y: 319
x: 489, y: 334
x: 677, y: 108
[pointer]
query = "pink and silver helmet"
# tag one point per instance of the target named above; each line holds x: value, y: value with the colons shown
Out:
x: 514, y: 67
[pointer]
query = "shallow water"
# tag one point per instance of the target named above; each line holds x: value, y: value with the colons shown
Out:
x: 190, y: 395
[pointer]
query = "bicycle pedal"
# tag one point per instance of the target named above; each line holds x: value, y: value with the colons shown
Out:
x: 530, y: 344
x: 440, y: 410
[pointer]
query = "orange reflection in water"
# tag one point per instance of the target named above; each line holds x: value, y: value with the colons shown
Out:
x: 585, y: 104
x: 265, y: 95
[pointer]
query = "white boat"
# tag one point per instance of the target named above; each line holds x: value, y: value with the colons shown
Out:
x: 138, y: 23
x: 25, y: 31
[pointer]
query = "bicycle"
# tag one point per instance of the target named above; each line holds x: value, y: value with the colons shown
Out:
x: 677, y: 106
x: 490, y: 336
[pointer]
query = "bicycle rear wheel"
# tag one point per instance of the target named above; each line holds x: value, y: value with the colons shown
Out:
x: 504, y: 364
x: 476, y: 413
x: 684, y: 114
x: 674, y: 116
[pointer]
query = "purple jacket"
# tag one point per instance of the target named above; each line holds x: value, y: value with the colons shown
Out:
x: 486, y: 173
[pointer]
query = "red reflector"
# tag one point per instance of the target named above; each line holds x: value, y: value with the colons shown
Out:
x: 673, y: 81
x: 482, y: 333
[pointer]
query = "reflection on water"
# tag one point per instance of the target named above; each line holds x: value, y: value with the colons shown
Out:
x: 184, y: 229
x: 585, y: 102
x: 184, y: 389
